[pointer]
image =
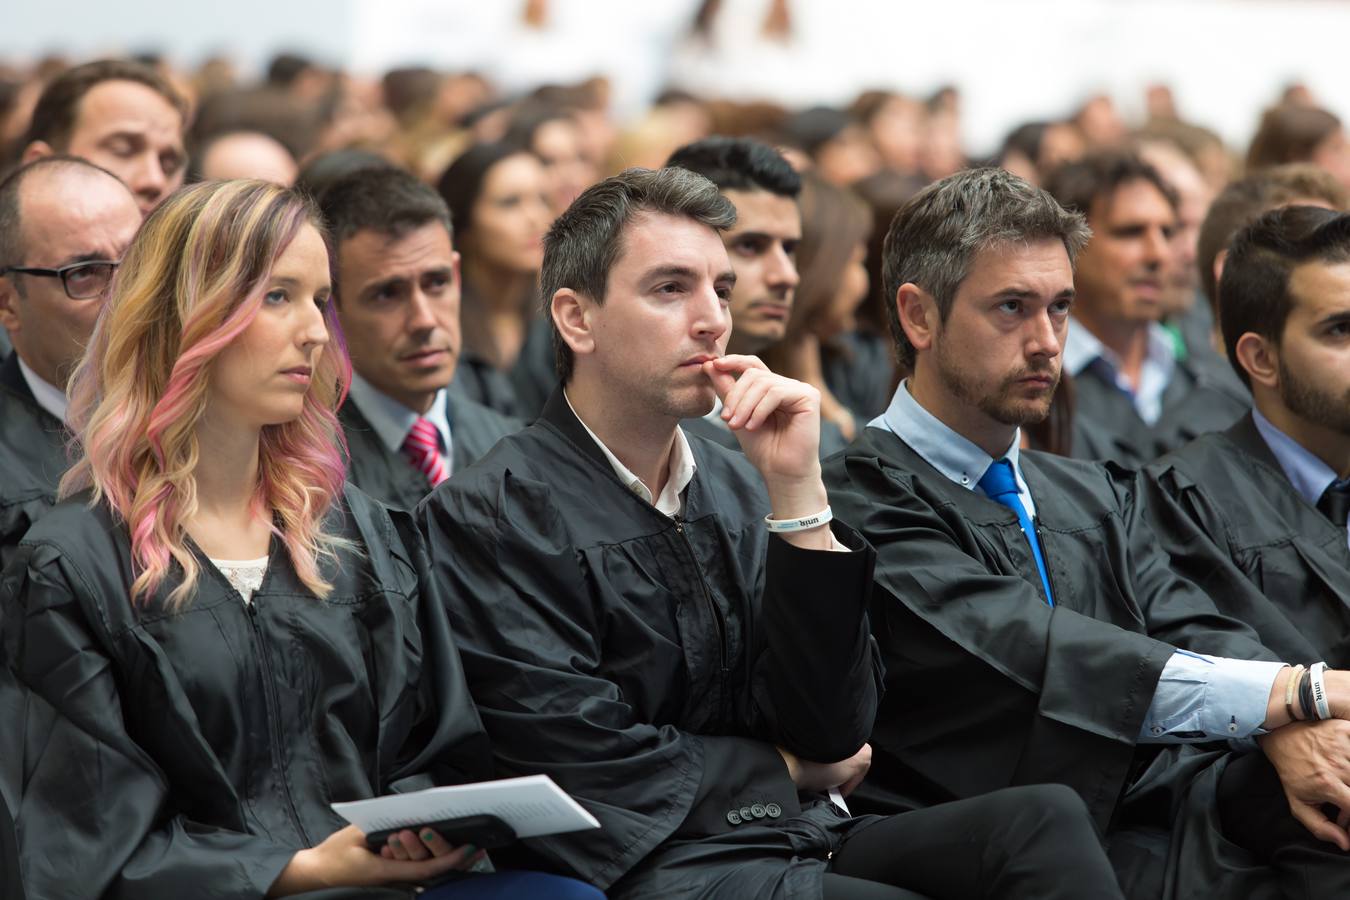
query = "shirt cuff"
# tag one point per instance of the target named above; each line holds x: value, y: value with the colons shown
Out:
x: 1205, y: 698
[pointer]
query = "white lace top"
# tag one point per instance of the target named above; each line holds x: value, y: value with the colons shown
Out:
x: 244, y: 575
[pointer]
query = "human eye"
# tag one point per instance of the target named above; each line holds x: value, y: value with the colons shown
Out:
x: 121, y: 145
x: 275, y: 297
x: 322, y: 301
x: 724, y: 294
x: 437, y: 281
x: 80, y: 278
x: 747, y: 246
x: 1011, y: 305
x: 1060, y: 307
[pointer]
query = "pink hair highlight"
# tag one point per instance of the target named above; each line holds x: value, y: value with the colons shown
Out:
x: 190, y: 284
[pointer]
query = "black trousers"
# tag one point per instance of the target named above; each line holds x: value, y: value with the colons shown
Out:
x: 1254, y: 814
x: 1024, y: 842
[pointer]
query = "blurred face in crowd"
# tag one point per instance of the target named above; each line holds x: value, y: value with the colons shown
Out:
x: 839, y: 316
x: 1121, y: 274
x: 1313, y: 353
x: 666, y: 312
x: 1062, y: 143
x: 399, y: 307
x: 941, y: 154
x: 995, y: 361
x: 847, y: 157
x: 262, y: 377
x: 510, y: 216
x: 897, y: 132
x: 1195, y: 197
x: 763, y: 249
x: 1333, y: 154
x: 248, y: 154
x: 130, y: 130
x: 558, y: 145
x: 67, y: 215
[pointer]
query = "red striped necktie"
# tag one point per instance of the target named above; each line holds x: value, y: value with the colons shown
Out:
x: 423, y: 449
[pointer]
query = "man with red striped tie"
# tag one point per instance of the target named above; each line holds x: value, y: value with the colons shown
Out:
x: 397, y: 287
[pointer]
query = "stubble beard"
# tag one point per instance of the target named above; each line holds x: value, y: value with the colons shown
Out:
x: 998, y: 404
x: 1308, y: 401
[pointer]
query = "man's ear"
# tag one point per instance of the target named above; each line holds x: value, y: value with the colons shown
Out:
x: 918, y: 314
x: 9, y: 314
x: 1260, y: 360
x: 572, y: 317
x: 35, y: 151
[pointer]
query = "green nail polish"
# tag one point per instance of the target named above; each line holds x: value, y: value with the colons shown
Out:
x: 470, y: 849
x: 428, y: 835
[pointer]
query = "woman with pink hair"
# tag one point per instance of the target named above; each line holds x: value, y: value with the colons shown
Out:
x: 211, y: 638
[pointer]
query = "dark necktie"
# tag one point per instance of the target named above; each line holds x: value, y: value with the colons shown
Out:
x: 1335, y: 502
x: 1000, y: 485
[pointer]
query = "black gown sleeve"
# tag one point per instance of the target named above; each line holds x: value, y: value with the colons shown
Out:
x: 530, y: 633
x: 94, y: 814
x: 818, y: 679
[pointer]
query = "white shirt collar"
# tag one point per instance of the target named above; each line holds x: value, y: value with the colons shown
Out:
x: 682, y: 470
x: 391, y: 420
x: 948, y: 451
x: 1083, y: 349
x: 48, y: 396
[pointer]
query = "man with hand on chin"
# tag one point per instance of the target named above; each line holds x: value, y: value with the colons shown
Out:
x: 1032, y: 628
x: 675, y: 632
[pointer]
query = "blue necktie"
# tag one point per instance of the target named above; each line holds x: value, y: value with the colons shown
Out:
x: 1000, y: 485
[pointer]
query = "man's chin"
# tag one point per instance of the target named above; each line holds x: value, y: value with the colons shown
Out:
x: 692, y: 402
x: 1019, y: 413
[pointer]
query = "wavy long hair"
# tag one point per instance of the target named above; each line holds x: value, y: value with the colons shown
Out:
x: 190, y: 283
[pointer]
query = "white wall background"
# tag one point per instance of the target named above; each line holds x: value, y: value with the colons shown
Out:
x: 1014, y: 59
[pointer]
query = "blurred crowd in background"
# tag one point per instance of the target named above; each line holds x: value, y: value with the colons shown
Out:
x: 508, y: 163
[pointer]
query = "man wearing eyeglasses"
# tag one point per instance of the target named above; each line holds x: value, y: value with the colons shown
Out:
x: 64, y: 224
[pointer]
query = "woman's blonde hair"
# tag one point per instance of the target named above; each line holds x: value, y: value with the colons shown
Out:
x: 190, y: 283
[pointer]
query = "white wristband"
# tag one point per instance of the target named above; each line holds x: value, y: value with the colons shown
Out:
x: 781, y: 526
x: 1319, y: 690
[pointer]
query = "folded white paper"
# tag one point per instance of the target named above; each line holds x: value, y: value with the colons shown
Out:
x: 533, y: 806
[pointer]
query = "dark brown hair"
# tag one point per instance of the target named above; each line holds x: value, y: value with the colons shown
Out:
x: 59, y: 106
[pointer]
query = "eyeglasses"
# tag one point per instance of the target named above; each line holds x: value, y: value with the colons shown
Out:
x: 81, y: 280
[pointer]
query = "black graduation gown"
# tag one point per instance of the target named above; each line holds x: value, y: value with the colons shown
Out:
x: 1264, y: 553
x: 388, y: 476
x: 988, y: 686
x: 32, y: 457
x: 485, y: 384
x: 535, y: 374
x: 1203, y: 396
x: 650, y: 664
x: 860, y: 374
x: 191, y: 754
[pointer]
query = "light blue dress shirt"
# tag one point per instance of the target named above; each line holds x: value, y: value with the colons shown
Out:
x: 1082, y: 350
x: 1308, y: 474
x: 391, y: 420
x: 1198, y: 698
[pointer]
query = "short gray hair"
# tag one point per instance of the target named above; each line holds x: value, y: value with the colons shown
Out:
x: 935, y: 237
x: 581, y: 247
